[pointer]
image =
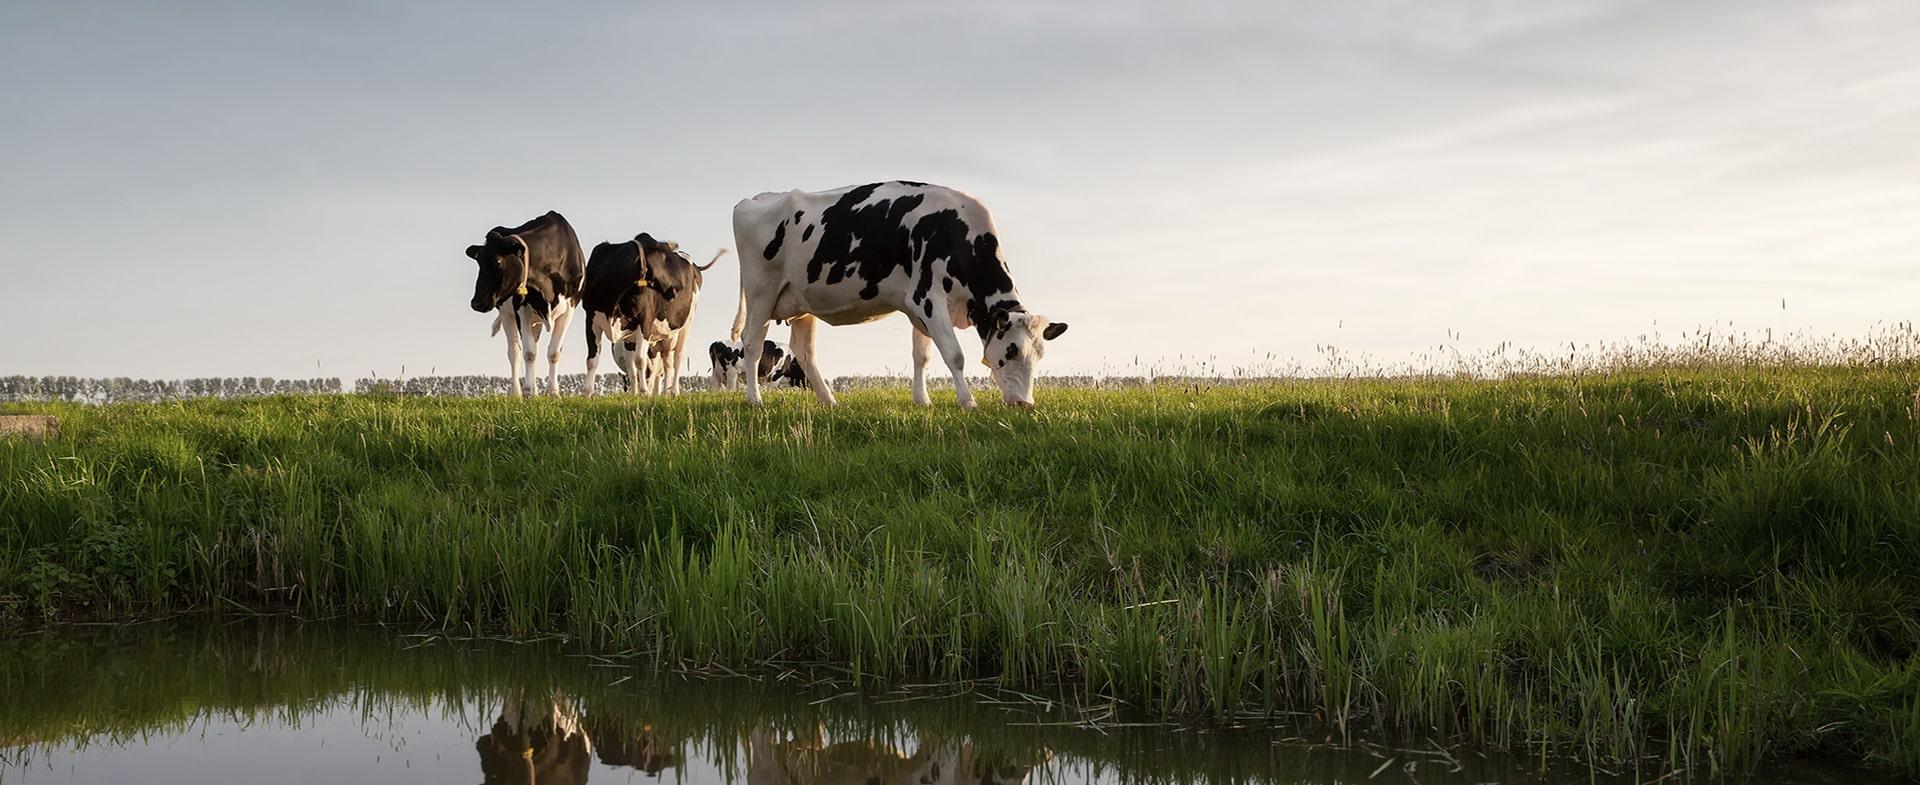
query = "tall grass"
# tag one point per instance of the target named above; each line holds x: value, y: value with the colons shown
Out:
x: 1708, y: 565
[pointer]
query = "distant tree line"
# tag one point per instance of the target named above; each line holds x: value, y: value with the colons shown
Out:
x: 1885, y: 345
x: 75, y: 389
x: 78, y: 389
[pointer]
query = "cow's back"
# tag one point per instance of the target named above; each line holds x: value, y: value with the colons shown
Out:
x: 554, y: 249
x: 868, y: 231
x: 610, y: 271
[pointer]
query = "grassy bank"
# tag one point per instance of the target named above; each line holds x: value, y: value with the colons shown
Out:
x: 1710, y: 566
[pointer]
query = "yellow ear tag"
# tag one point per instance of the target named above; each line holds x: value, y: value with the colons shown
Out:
x: 642, y: 283
x: 522, y: 291
x: 526, y: 753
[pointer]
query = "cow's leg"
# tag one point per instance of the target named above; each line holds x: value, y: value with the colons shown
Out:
x: 922, y: 349
x: 801, y: 342
x: 618, y: 348
x: 511, y: 322
x: 627, y: 354
x: 595, y: 324
x: 657, y: 367
x: 643, y: 360
x: 941, y: 331
x: 529, y: 341
x: 755, y: 336
x: 560, y: 324
x: 678, y: 359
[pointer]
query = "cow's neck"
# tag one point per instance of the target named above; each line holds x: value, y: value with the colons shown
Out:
x: 982, y: 313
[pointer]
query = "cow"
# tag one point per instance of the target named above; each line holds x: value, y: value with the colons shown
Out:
x: 861, y: 253
x: 640, y: 295
x: 776, y: 364
x: 531, y: 275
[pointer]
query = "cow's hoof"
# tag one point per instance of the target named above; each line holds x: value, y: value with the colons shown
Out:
x: 969, y: 405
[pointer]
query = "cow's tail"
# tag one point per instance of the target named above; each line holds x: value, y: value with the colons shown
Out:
x: 711, y: 262
x: 740, y: 314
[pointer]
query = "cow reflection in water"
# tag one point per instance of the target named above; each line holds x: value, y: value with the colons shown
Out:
x: 635, y: 744
x: 808, y: 761
x: 536, y: 741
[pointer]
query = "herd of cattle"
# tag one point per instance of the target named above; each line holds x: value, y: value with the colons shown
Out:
x: 845, y: 256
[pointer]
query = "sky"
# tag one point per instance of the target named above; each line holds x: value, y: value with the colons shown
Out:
x: 280, y: 189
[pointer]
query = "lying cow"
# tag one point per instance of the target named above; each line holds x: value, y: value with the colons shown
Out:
x: 640, y: 295
x: 860, y: 253
x: 776, y: 364
x: 531, y: 274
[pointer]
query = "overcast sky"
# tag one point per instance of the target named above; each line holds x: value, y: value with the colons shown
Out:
x: 255, y: 188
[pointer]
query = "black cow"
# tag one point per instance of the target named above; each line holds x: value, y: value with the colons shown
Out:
x: 641, y: 292
x: 531, y: 274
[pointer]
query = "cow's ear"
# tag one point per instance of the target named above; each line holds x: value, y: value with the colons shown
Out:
x: 1054, y: 330
x: 473, y: 251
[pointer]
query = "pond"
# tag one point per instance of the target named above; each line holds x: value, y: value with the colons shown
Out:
x: 272, y: 700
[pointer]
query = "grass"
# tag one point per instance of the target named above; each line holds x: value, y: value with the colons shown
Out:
x: 1709, y: 567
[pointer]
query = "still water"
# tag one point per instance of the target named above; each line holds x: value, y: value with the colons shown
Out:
x: 272, y: 701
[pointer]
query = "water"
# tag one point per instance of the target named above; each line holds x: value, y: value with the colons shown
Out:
x: 273, y: 701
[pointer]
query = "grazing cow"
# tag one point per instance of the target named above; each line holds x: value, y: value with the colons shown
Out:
x: 860, y: 253
x: 640, y: 295
x: 776, y: 364
x: 531, y: 274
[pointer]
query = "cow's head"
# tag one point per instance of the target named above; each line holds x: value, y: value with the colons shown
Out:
x: 503, y: 270
x: 653, y: 256
x: 1015, y: 344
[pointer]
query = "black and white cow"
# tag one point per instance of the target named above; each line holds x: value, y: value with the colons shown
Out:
x: 777, y: 364
x: 640, y: 295
x: 531, y: 274
x: 860, y: 253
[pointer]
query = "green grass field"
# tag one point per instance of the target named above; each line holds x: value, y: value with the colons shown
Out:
x: 1711, y: 566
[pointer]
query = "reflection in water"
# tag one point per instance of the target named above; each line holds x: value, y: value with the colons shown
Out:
x: 268, y: 701
x: 536, y: 742
x: 810, y: 761
x: 632, y: 744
